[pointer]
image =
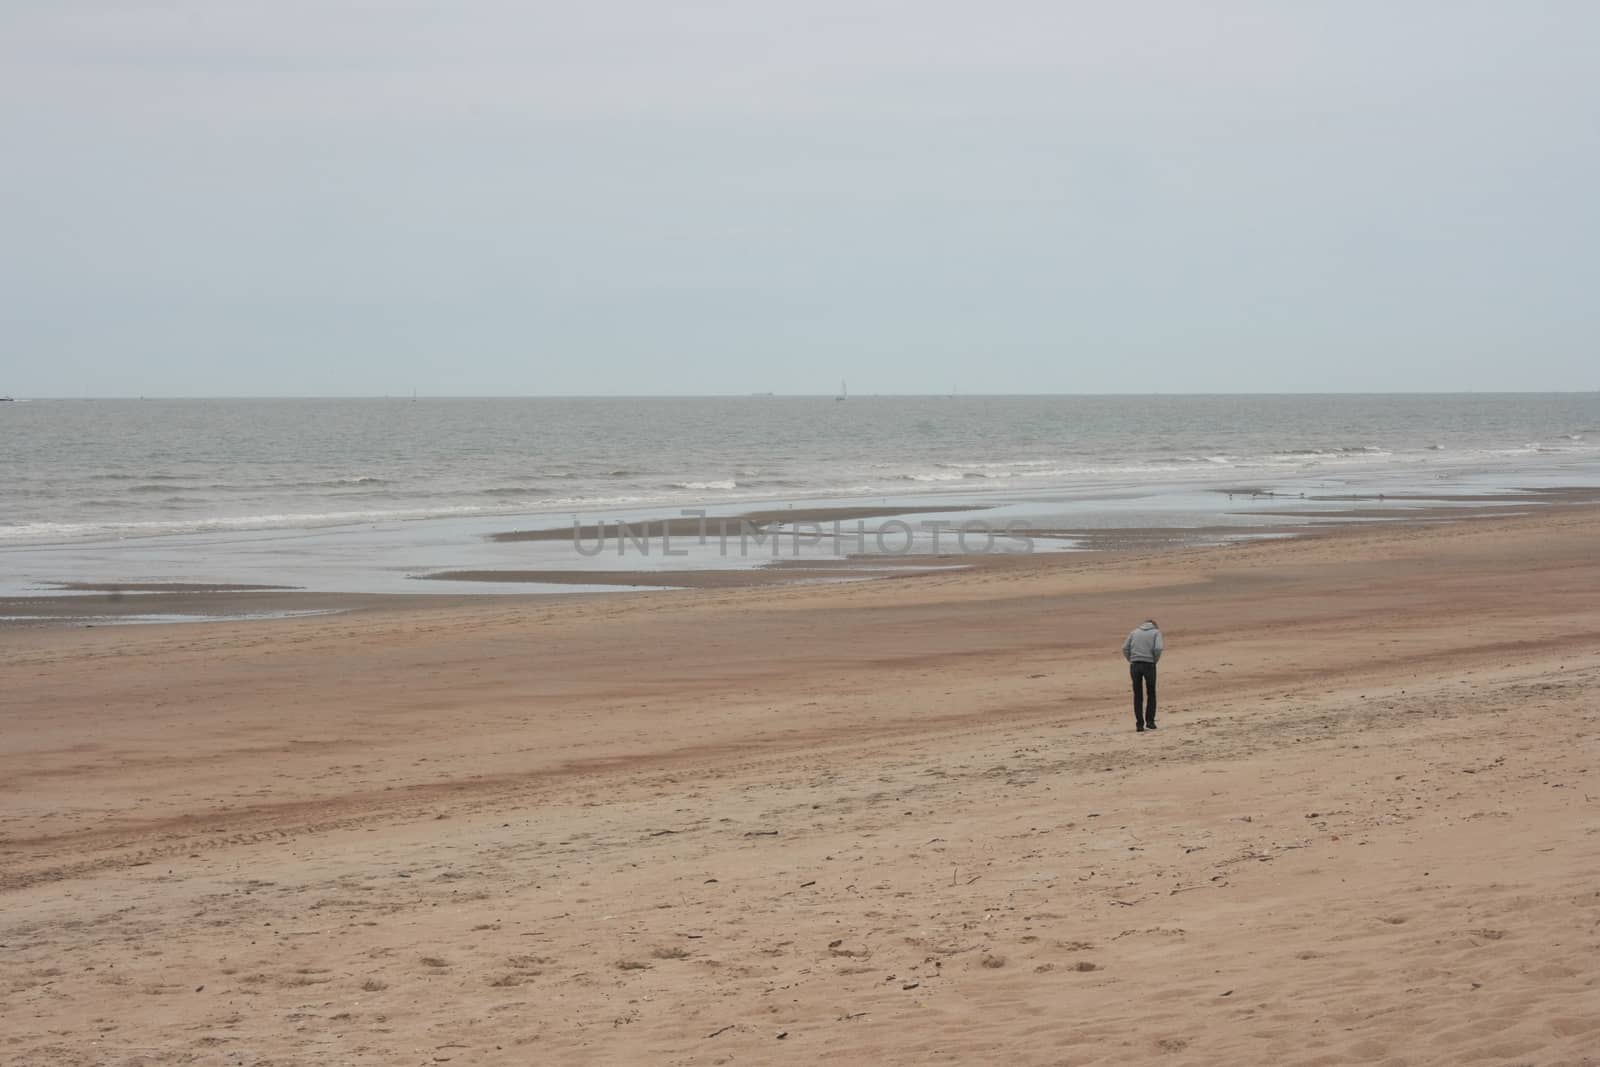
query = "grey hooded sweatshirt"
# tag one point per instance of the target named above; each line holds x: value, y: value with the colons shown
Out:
x: 1144, y: 645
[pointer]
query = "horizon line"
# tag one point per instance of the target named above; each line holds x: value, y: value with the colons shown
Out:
x: 800, y: 396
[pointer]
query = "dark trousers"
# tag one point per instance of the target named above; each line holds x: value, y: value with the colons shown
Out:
x: 1144, y: 692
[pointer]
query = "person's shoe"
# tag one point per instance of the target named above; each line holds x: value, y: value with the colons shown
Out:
x: 1149, y: 726
x: 1139, y: 729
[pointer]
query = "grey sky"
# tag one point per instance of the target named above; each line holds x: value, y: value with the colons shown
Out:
x: 202, y: 197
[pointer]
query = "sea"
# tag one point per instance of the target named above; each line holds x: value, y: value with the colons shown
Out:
x: 157, y: 489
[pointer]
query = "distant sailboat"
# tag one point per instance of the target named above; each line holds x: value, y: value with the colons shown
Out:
x: 844, y: 393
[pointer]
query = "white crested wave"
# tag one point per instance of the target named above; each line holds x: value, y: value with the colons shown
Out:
x: 996, y: 465
x: 1341, y: 450
x: 726, y: 483
x: 78, y: 531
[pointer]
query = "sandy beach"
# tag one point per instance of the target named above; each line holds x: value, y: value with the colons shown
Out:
x: 894, y: 822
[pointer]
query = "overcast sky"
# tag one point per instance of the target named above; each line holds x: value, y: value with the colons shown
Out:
x: 202, y: 197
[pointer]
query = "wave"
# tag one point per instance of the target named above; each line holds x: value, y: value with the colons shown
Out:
x: 725, y: 484
x: 775, y: 483
x: 118, y: 476
x: 162, y: 483
x: 170, y: 484
x: 363, y: 480
x: 320, y: 483
x: 49, y: 532
x: 171, y: 493
x: 153, y: 487
x: 1343, y: 450
x: 998, y: 465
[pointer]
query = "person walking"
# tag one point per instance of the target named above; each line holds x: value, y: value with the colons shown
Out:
x: 1143, y: 650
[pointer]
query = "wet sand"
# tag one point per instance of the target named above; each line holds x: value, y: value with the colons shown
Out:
x: 781, y: 572
x: 877, y: 822
x: 730, y: 525
x: 200, y: 603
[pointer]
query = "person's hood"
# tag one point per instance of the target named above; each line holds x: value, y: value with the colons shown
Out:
x: 1147, y: 626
